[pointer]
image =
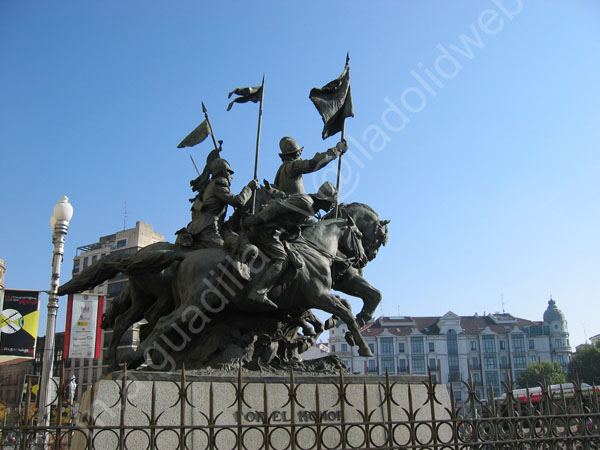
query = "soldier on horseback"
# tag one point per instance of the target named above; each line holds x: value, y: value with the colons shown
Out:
x: 289, y: 175
x: 273, y: 224
x: 210, y: 207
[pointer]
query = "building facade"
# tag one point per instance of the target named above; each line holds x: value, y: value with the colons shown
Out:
x: 451, y: 346
x: 87, y: 371
x: 12, y: 378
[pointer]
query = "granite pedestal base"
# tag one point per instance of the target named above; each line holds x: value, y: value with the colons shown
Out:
x: 167, y: 411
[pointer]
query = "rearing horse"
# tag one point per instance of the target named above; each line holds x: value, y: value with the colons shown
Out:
x: 194, y: 281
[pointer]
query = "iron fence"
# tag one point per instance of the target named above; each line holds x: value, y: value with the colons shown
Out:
x: 341, y: 413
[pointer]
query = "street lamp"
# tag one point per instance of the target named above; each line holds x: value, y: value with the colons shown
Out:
x: 59, y: 223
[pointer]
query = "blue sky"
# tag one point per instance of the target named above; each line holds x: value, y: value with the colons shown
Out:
x: 489, y: 174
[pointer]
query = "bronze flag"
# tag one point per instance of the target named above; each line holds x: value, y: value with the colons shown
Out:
x: 334, y: 102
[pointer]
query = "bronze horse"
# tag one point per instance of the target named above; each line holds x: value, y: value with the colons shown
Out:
x: 166, y: 281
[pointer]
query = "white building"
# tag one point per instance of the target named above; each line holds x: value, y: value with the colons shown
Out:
x: 128, y: 241
x: 319, y: 350
x: 451, y: 345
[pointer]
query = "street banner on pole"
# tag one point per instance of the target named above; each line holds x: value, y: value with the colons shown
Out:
x: 82, y: 331
x: 19, y: 323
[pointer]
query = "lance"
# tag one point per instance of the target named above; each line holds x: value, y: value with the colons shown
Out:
x: 209, y: 125
x: 195, y: 166
x: 260, y: 109
x: 337, y: 185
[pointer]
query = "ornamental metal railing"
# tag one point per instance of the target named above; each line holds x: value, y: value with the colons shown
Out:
x: 403, y: 414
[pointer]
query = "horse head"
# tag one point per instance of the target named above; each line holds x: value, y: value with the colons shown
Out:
x: 374, y: 231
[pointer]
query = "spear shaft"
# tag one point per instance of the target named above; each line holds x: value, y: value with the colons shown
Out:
x: 209, y: 125
x: 260, y: 109
x: 337, y: 185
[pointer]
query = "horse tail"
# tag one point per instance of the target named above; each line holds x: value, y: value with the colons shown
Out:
x: 118, y: 306
x: 92, y: 276
x: 110, y: 266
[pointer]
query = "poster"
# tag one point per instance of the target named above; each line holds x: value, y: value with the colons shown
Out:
x: 19, y: 323
x: 82, y: 333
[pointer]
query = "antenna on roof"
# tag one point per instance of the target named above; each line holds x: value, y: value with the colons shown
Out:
x: 502, y: 299
x: 124, y: 215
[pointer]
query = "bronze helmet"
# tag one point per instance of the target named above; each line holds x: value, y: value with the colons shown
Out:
x: 220, y: 167
x: 289, y: 146
x: 327, y: 192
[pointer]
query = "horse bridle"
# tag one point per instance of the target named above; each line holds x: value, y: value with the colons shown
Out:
x: 357, y: 260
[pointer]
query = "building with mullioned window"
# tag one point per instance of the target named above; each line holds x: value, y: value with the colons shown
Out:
x: 448, y: 347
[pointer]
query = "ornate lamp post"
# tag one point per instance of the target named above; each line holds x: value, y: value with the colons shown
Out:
x: 59, y: 223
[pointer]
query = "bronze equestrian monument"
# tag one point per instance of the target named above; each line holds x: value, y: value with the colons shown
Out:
x: 228, y: 309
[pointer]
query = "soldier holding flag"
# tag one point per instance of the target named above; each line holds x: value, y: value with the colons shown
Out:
x: 289, y: 175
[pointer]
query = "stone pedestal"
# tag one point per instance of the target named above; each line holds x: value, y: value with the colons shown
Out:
x: 158, y: 410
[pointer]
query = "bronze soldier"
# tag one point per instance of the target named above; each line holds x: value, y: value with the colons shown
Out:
x: 277, y: 220
x: 210, y: 206
x: 289, y: 175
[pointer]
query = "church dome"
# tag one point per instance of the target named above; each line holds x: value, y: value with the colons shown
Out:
x: 552, y: 313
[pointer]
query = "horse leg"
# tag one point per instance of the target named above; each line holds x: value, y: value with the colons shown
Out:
x: 164, y: 325
x: 333, y: 304
x: 354, y: 284
x: 315, y: 322
x: 122, y: 324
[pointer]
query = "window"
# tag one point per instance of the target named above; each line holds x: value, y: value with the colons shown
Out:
x: 416, y: 347
x: 85, y: 262
x: 418, y: 364
x: 434, y: 378
x: 452, y: 342
x: 122, y: 243
x: 518, y: 343
x: 475, y: 363
x: 476, y: 378
x: 558, y: 342
x: 532, y: 359
x: 115, y: 288
x: 402, y: 365
x: 473, y: 345
x: 401, y: 347
x: 372, y: 348
x: 371, y: 366
x: 489, y: 344
x: 502, y: 345
x: 387, y: 364
x: 432, y: 364
x: 432, y: 347
x: 453, y: 363
x: 519, y: 361
x: 531, y: 344
x: 457, y: 396
x: 492, y: 378
x: 94, y: 259
x: 76, y: 265
x: 344, y: 347
x: 387, y: 346
x: 333, y: 348
x: 490, y: 362
x: 503, y: 362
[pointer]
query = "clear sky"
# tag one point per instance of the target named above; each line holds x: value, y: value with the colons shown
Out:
x: 476, y: 133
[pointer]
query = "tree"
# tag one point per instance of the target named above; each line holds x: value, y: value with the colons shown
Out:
x: 586, y: 364
x: 541, y: 371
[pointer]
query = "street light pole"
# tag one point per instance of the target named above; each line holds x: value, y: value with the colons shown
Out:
x: 59, y: 222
